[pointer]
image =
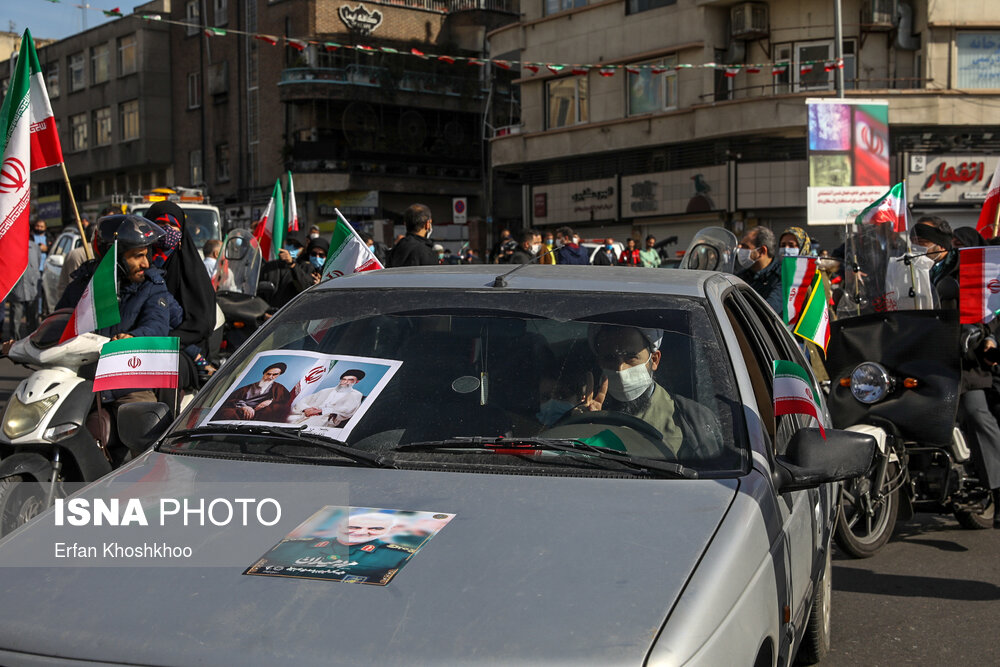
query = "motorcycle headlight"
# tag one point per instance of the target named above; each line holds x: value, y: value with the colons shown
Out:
x: 21, y: 418
x: 871, y: 382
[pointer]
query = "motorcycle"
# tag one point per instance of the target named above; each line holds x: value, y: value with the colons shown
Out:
x: 237, y: 290
x: 895, y: 368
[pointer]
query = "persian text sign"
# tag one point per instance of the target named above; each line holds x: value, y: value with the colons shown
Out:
x: 952, y: 179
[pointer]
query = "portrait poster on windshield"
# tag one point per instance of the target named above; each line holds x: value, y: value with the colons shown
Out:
x: 362, y: 545
x: 848, y: 158
x: 326, y: 394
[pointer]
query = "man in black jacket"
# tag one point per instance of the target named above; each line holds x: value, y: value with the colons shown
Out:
x: 526, y: 252
x: 415, y: 249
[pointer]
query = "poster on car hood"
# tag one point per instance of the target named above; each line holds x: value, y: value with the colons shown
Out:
x: 327, y: 394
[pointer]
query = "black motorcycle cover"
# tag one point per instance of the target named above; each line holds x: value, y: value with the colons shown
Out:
x: 921, y: 344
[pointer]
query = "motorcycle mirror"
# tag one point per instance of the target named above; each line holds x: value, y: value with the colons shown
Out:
x: 265, y: 289
x: 141, y: 424
x: 810, y: 460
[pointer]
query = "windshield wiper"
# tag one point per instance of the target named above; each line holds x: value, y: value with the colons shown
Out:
x: 296, y: 433
x: 571, y: 445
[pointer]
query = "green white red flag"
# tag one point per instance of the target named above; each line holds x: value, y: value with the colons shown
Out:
x: 270, y: 230
x: 979, y: 284
x: 794, y: 394
x: 988, y: 214
x: 348, y: 253
x: 293, y: 212
x: 28, y: 141
x: 149, y: 362
x: 797, y: 274
x: 814, y: 320
x: 890, y: 207
x: 98, y: 307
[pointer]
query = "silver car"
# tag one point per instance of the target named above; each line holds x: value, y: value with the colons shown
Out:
x: 594, y: 452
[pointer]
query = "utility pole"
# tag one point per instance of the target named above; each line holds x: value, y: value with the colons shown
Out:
x: 838, y: 47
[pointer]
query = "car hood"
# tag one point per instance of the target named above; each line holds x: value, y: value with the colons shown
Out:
x: 532, y: 568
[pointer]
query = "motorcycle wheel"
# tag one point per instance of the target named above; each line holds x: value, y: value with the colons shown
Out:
x: 976, y: 520
x: 20, y: 501
x: 816, y: 641
x: 859, y: 532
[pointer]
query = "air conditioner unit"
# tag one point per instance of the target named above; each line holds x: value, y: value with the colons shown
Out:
x: 748, y: 20
x: 310, y: 135
x: 878, y: 15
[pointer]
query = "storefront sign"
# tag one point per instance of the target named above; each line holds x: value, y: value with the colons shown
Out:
x: 677, y: 192
x: 359, y: 19
x: 49, y: 209
x: 352, y: 203
x: 582, y: 201
x: 541, y: 205
x: 951, y: 179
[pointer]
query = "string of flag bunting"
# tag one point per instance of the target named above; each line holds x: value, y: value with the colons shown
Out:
x: 606, y: 70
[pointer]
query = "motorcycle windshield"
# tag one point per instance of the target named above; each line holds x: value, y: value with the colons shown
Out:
x: 712, y: 249
x: 239, y: 264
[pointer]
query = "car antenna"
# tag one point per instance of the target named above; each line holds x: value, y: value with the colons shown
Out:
x: 501, y: 280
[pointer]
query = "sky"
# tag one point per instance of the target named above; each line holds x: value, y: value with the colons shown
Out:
x: 56, y: 20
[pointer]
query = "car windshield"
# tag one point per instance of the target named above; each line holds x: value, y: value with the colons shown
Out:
x: 405, y: 371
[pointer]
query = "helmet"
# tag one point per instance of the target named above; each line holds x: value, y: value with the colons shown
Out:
x: 131, y: 231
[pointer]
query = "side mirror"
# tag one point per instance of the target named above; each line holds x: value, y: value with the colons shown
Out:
x: 811, y: 460
x: 141, y: 424
x: 265, y: 289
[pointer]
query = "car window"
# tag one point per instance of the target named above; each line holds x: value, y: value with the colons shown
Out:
x: 62, y: 245
x: 499, y: 363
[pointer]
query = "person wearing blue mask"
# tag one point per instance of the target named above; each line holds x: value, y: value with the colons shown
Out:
x: 311, y: 260
x: 606, y: 256
x: 567, y: 388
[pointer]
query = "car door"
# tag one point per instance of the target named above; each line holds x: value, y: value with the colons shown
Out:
x: 798, y: 508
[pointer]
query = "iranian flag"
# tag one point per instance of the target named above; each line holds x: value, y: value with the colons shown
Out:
x: 814, y: 320
x: 28, y: 141
x: 793, y: 392
x: 979, y: 284
x: 988, y: 214
x: 293, y: 212
x: 149, y: 362
x: 98, y: 307
x: 348, y: 253
x: 890, y: 207
x: 270, y: 231
x: 797, y: 274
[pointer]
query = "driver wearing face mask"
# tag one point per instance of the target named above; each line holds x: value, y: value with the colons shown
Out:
x: 628, y: 357
x: 756, y: 258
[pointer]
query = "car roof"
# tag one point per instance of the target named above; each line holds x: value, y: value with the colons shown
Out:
x: 680, y: 282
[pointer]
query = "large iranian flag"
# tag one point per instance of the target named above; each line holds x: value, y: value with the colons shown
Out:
x: 293, y: 211
x: 270, y: 231
x: 814, y: 321
x: 793, y: 392
x: 98, y: 307
x: 146, y: 362
x: 796, y: 278
x: 890, y: 207
x: 28, y: 141
x: 988, y: 214
x: 979, y: 284
x: 348, y: 253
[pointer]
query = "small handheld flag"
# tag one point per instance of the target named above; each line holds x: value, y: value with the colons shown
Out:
x: 348, y: 253
x: 270, y: 231
x: 890, y: 207
x: 793, y: 392
x: 797, y: 274
x: 98, y: 307
x: 147, y: 362
x: 979, y: 284
x: 814, y: 320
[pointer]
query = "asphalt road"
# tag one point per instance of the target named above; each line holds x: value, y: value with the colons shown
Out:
x: 931, y: 597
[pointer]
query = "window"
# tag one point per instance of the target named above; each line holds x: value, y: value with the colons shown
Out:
x: 194, y: 164
x: 654, y: 88
x: 567, y: 101
x: 52, y: 79
x: 194, y: 90
x: 126, y: 55
x: 556, y: 6
x: 222, y: 162
x: 636, y: 6
x: 102, y: 127
x: 77, y: 76
x: 78, y: 131
x: 978, y: 65
x: 819, y: 53
x: 193, y: 17
x: 100, y: 63
x: 221, y: 12
x: 129, y: 112
x: 783, y: 80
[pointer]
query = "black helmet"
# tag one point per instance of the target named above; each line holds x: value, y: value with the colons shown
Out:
x: 131, y: 231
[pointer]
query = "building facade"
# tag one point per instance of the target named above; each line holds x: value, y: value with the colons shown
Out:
x: 690, y: 141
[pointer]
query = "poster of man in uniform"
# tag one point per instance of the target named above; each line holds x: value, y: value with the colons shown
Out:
x: 326, y: 394
x: 362, y: 545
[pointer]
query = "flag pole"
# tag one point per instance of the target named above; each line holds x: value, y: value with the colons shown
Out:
x: 909, y: 250
x: 996, y: 221
x: 76, y: 212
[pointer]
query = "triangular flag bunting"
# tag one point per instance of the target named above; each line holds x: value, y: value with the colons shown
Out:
x: 112, y: 12
x: 273, y: 41
x: 732, y: 71
x: 214, y: 32
x: 297, y: 44
x: 607, y: 71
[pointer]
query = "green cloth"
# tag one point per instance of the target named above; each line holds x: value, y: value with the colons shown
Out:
x: 650, y: 257
x: 660, y: 415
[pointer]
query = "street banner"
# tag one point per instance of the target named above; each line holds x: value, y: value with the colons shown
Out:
x: 28, y: 141
x: 796, y: 277
x: 293, y: 211
x: 890, y: 207
x: 793, y: 393
x: 979, y: 284
x: 147, y: 362
x: 348, y: 253
x: 991, y: 207
x: 98, y: 307
x: 848, y: 157
x: 270, y: 231
x: 814, y: 321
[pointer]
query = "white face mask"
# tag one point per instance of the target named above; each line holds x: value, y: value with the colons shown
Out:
x: 922, y: 263
x: 429, y: 230
x: 535, y: 247
x: 790, y: 252
x: 743, y: 258
x: 314, y: 235
x: 629, y: 384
